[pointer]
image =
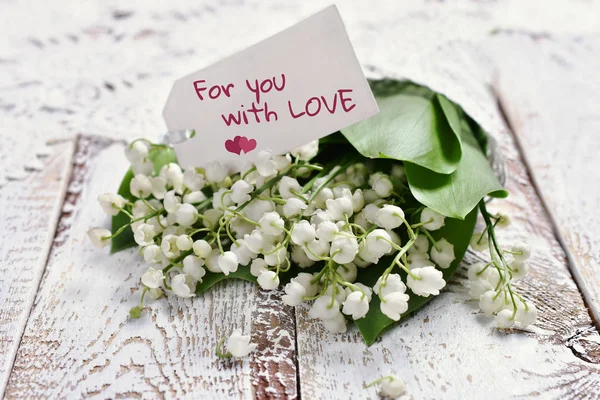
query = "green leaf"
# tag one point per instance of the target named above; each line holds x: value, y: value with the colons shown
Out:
x: 159, y: 155
x: 412, y: 128
x: 455, y: 195
x: 125, y: 239
x: 211, y: 278
x: 456, y: 231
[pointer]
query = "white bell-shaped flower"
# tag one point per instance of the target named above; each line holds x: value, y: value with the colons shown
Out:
x: 194, y: 197
x: 171, y: 201
x: 394, y: 304
x: 144, y: 234
x: 358, y: 200
x: 381, y: 184
x: 519, y: 269
x: 420, y: 245
x: 152, y: 254
x: 268, y: 280
x: 327, y: 230
x: 526, y: 314
x: 392, y: 284
x: 340, y: 208
x: 186, y: 215
x: 427, y: 281
x: 491, y: 302
x: 443, y: 253
x: 143, y: 167
x: 271, y: 223
x: 140, y: 186
x: 215, y: 172
x: 293, y: 206
x: 111, y: 202
x: 505, y: 319
x: 265, y: 165
x: 193, y: 180
x: 228, y: 262
x: 169, y: 246
x: 389, y: 217
x: 153, y: 278
x: 356, y: 305
x: 317, y: 249
x: 193, y: 266
x: 257, y: 267
x: 255, y: 241
x: 100, y: 237
x: 343, y: 249
x: 137, y: 151
x: 306, y: 280
x: 348, y: 272
x: 201, y: 248
x: 300, y: 258
x: 239, y: 345
x: 183, y: 285
x: 521, y: 251
x: 307, y: 151
x: 303, y: 233
x: 479, y: 287
x: 479, y: 241
x: 324, y: 308
x: 392, y: 387
x: 289, y: 187
x: 240, y: 192
x: 184, y: 242
x: 275, y: 258
x: 336, y: 324
x: 243, y: 253
x: 418, y: 260
x: 432, y: 220
x: 294, y: 293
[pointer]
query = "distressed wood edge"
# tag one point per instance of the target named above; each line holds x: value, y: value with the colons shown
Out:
x: 274, y: 364
x: 589, y: 296
x: 57, y: 211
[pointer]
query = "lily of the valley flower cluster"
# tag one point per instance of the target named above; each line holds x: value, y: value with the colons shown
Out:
x: 491, y: 283
x: 280, y: 215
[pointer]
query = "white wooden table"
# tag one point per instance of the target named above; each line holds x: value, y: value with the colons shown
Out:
x: 77, y: 79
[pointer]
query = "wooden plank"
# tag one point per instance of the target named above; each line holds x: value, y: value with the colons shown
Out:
x: 449, y: 351
x: 29, y: 210
x: 79, y: 342
x: 554, y: 109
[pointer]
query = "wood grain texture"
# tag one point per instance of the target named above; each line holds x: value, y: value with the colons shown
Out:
x: 80, y: 343
x: 554, y: 109
x: 29, y: 210
x: 449, y: 350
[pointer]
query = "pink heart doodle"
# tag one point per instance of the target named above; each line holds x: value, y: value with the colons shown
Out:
x: 247, y: 145
x: 233, y: 146
x: 239, y: 144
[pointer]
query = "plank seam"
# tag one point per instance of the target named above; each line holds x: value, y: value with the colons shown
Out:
x: 47, y: 248
x: 579, y: 281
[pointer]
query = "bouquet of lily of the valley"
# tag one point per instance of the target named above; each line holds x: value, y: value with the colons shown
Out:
x: 366, y: 225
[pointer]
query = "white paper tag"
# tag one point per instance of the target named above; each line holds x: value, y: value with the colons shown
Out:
x: 299, y: 85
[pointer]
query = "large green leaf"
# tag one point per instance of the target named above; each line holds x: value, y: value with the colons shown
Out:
x: 159, y: 156
x: 409, y: 127
x: 211, y: 278
x: 456, y: 231
x: 455, y: 195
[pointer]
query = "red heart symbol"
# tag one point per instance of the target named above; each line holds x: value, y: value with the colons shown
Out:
x: 246, y: 145
x: 233, y: 146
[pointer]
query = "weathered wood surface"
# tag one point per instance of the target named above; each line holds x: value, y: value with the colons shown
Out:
x: 555, y: 112
x: 28, y: 211
x: 80, y: 343
x: 108, y: 70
